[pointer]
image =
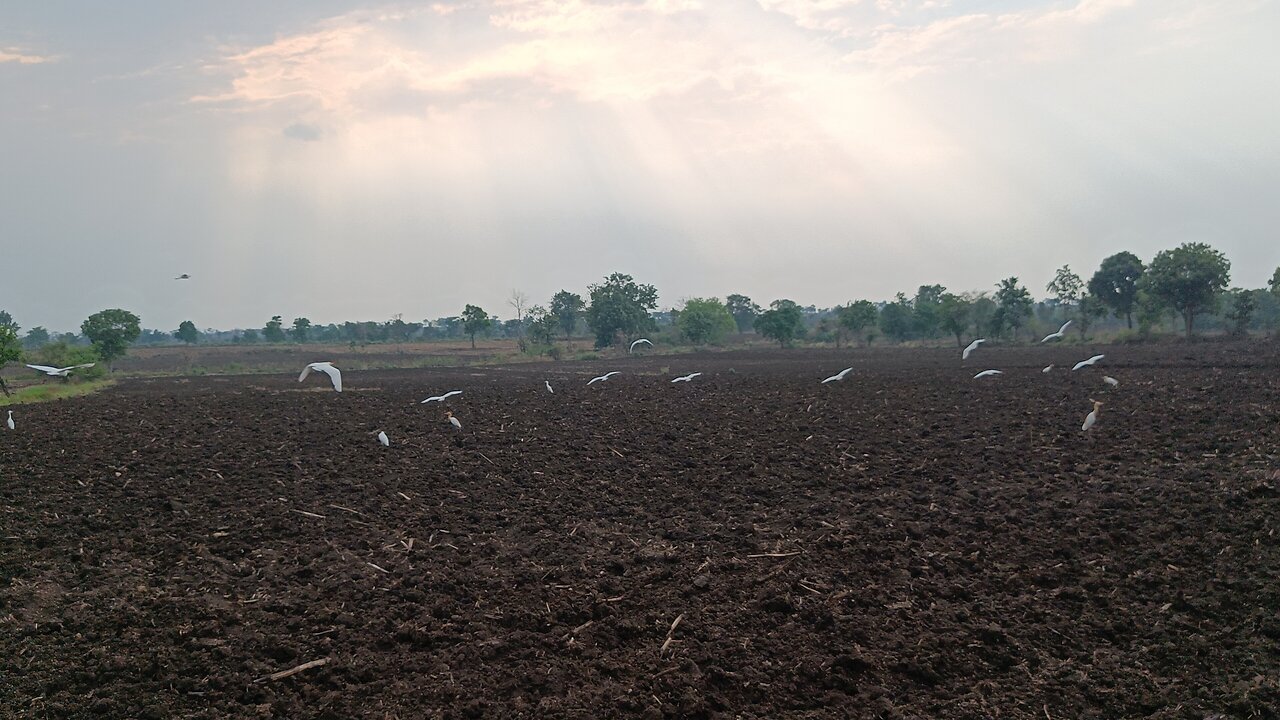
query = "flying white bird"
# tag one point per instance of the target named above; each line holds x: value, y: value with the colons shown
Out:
x: 604, y: 377
x: 59, y: 372
x: 548, y: 384
x: 1047, y: 368
x: 453, y: 420
x: 9, y: 422
x: 1110, y: 380
x: 641, y: 340
x: 382, y: 438
x: 1087, y: 363
x: 838, y: 376
x: 335, y: 375
x: 183, y: 276
x: 972, y: 346
x: 988, y: 373
x: 686, y: 378
x: 1092, y: 417
x: 441, y: 398
x: 1057, y: 335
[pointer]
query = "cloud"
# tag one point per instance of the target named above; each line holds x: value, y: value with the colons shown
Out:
x: 302, y: 131
x: 16, y: 55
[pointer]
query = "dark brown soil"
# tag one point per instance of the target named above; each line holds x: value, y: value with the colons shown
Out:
x: 907, y: 543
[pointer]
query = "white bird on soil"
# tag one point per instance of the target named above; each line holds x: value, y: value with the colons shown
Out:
x: 453, y: 420
x: 686, y: 378
x: 335, y: 375
x: 604, y: 377
x: 1047, y: 368
x: 1087, y: 363
x: 59, y: 372
x: 548, y: 384
x: 838, y: 376
x: 1092, y: 417
x: 1110, y: 380
x: 382, y: 438
x: 441, y: 398
x: 9, y: 422
x: 988, y: 373
x: 1057, y: 335
x: 972, y: 346
x: 637, y: 342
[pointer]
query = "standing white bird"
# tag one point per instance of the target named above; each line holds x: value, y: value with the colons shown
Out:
x: 59, y: 372
x: 1087, y: 363
x: 453, y: 421
x: 335, y: 375
x: 1110, y: 380
x: 1057, y: 335
x: 637, y: 342
x: 441, y: 398
x: 604, y: 377
x: 1047, y: 368
x: 686, y: 378
x: 972, y: 346
x: 548, y: 384
x: 838, y: 376
x: 1092, y: 417
x: 988, y: 373
x: 382, y: 438
x: 9, y: 422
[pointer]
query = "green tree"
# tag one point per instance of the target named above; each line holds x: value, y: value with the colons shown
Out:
x: 620, y: 306
x: 1090, y: 309
x: 36, y: 337
x: 897, y: 318
x: 7, y: 321
x: 953, y: 316
x: 1189, y: 279
x: 274, y: 330
x: 111, y: 332
x: 926, y: 308
x: 1275, y: 282
x: 1116, y: 284
x: 475, y: 320
x: 301, y: 329
x: 982, y: 313
x: 542, y: 325
x: 249, y: 336
x: 858, y: 317
x: 1243, y: 305
x: 187, y: 332
x: 783, y: 322
x: 744, y: 311
x: 566, y: 308
x: 10, y: 350
x: 1066, y: 287
x: 1013, y: 305
x: 704, y: 320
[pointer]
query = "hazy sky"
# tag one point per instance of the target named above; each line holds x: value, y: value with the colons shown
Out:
x: 354, y: 160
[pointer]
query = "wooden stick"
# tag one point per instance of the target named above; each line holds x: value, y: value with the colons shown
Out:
x: 789, y: 554
x: 347, y: 509
x: 293, y: 670
x: 375, y: 567
x: 309, y: 514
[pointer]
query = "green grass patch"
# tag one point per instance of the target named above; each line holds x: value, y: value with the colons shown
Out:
x: 53, y: 391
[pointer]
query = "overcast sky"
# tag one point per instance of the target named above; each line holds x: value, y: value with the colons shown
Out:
x: 354, y: 160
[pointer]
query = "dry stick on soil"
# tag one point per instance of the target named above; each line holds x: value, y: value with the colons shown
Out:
x: 309, y: 514
x: 293, y: 670
x: 486, y: 457
x: 774, y: 555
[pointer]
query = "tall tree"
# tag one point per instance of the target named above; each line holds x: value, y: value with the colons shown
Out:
x: 1116, y: 284
x: 301, y: 329
x: 897, y: 318
x: 925, y: 308
x: 620, y: 306
x: 1275, y: 282
x: 1066, y: 288
x: 744, y: 311
x: 783, y: 322
x: 858, y: 317
x: 566, y: 307
x: 10, y: 350
x: 1243, y: 305
x: 36, y: 337
x: 1013, y: 304
x: 542, y: 325
x: 111, y: 332
x: 953, y: 316
x: 1189, y: 279
x: 7, y: 321
x: 187, y: 332
x: 704, y: 320
x: 274, y: 330
x: 518, y: 302
x: 475, y: 320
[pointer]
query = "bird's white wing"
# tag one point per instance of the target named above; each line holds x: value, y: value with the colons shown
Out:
x: 305, y: 372
x: 433, y: 398
x: 44, y: 368
x: 77, y: 367
x: 833, y: 378
x: 844, y: 372
x: 1064, y: 327
x: 334, y: 374
x: 1050, y: 336
x: 1089, y: 420
x: 611, y: 374
x: 972, y: 346
x: 450, y: 394
x: 986, y: 373
x: 594, y: 380
x: 1047, y: 369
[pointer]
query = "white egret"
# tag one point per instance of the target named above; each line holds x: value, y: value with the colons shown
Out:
x: 1087, y: 363
x: 1110, y: 380
x: 686, y: 378
x: 604, y: 377
x: 972, y: 346
x: 453, y: 420
x: 1047, y: 368
x: 441, y: 398
x: 637, y: 342
x: 1092, y: 417
x: 382, y: 438
x: 183, y: 276
x: 59, y: 372
x: 9, y: 422
x: 548, y: 384
x: 988, y: 373
x: 838, y: 376
x: 1057, y: 335
x: 335, y: 375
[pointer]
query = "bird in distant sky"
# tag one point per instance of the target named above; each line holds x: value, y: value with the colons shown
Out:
x: 972, y: 346
x: 1087, y: 363
x: 335, y: 375
x: 441, y: 398
x: 1057, y: 335
x: 604, y: 377
x: 838, y: 376
x: 988, y: 373
x: 637, y: 342
x: 183, y: 276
